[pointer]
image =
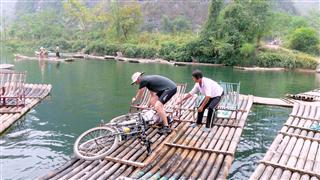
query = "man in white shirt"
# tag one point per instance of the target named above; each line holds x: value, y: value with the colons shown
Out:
x: 212, y: 92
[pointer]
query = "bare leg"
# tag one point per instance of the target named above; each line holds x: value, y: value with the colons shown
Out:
x: 153, y: 100
x: 159, y: 108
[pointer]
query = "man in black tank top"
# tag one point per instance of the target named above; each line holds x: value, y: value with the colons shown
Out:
x: 162, y: 90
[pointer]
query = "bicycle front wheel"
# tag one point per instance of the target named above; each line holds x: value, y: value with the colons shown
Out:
x: 96, y: 143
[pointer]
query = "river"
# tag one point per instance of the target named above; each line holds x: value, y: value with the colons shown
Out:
x: 84, y: 92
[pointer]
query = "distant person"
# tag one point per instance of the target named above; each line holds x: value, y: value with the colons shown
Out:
x: 42, y: 53
x: 57, y: 50
x: 212, y: 92
x: 162, y: 90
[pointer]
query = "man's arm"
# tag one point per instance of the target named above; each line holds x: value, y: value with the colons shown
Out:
x: 191, y: 93
x: 186, y: 97
x: 205, y: 101
x: 138, y: 95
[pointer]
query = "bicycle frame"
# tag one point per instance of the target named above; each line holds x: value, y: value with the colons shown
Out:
x: 137, y: 127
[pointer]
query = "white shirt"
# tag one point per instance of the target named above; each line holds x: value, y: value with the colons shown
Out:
x: 208, y: 88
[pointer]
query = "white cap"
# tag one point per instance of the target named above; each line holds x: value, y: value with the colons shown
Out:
x: 135, y: 76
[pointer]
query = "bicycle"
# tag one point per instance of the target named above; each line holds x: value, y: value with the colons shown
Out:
x: 98, y: 142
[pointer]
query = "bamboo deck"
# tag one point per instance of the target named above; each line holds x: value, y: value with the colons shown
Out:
x: 315, y: 94
x: 187, y: 153
x: 273, y: 101
x: 295, y: 152
x: 34, y: 94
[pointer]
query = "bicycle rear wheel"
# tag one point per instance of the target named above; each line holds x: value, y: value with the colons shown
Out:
x: 96, y: 143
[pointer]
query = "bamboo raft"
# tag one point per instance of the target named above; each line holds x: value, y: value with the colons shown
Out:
x: 273, y: 101
x: 295, y: 152
x: 313, y: 95
x: 34, y: 94
x: 19, y: 57
x: 186, y: 153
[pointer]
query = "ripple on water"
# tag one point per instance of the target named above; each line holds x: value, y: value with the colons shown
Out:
x: 30, y: 150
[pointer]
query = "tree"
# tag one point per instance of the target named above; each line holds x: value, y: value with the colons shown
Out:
x: 85, y: 17
x: 314, y: 19
x: 260, y: 11
x: 166, y: 24
x: 181, y: 24
x: 125, y: 20
x: 210, y: 26
x: 306, y: 40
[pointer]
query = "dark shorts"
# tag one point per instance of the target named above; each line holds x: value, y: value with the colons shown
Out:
x: 166, y: 95
x: 57, y: 54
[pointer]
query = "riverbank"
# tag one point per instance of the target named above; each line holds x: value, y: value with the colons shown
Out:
x: 178, y: 63
x: 73, y: 56
x: 141, y: 60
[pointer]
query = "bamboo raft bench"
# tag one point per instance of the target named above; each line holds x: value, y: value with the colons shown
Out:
x: 34, y: 93
x: 295, y: 152
x: 186, y: 153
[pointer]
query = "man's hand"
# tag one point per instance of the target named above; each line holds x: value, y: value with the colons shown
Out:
x: 200, y: 109
x: 179, y: 102
x: 133, y: 100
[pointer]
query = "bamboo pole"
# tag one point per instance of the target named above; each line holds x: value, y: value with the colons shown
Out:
x: 179, y: 154
x: 277, y: 146
x: 234, y: 143
x: 142, y: 157
x: 288, y: 149
x: 118, y: 153
x: 171, y: 155
x: 190, y: 162
x: 123, y: 153
x: 139, y: 173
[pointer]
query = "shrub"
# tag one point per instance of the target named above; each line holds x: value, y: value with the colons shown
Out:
x: 286, y: 60
x: 111, y: 49
x: 269, y: 59
x: 305, y: 40
x: 167, y: 50
x: 182, y: 54
x: 101, y: 48
x: 134, y: 51
x: 247, y: 49
x: 128, y: 50
x: 227, y: 53
x: 201, y: 50
x: 147, y: 52
x: 77, y: 46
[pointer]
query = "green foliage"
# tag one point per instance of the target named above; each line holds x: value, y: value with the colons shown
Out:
x: 167, y: 50
x: 166, y: 24
x: 84, y: 17
x: 210, y: 26
x: 247, y: 49
x: 125, y: 20
x: 200, y: 51
x: 133, y: 51
x: 314, y: 19
x: 305, y: 40
x: 286, y: 59
x: 173, y: 51
x: 284, y: 24
x: 37, y: 26
x: 231, y: 34
x: 179, y: 24
x: 102, y: 48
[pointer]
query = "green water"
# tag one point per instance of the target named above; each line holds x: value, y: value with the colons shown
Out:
x: 84, y: 92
